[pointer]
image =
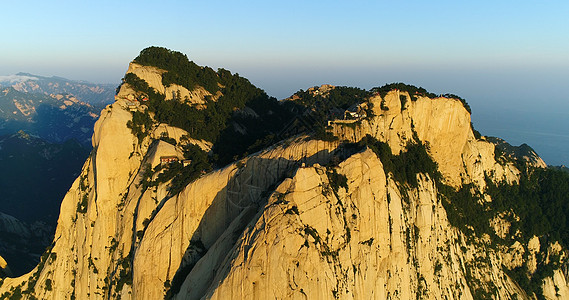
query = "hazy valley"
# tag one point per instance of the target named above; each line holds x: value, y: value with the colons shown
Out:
x: 46, y: 126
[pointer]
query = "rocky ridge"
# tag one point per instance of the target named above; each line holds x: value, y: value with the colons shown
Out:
x: 97, y: 95
x: 53, y: 108
x: 282, y: 223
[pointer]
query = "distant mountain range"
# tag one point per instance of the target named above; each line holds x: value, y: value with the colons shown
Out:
x: 53, y: 108
x: 94, y: 94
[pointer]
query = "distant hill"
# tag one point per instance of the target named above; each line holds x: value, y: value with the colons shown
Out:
x: 54, y: 108
x: 21, y: 243
x: 97, y: 95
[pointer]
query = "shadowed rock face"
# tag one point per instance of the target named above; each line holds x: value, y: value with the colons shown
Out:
x: 280, y: 223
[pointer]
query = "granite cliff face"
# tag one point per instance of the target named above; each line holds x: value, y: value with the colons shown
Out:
x: 441, y: 123
x: 302, y: 219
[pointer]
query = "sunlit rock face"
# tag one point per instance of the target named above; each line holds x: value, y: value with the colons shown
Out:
x: 295, y: 220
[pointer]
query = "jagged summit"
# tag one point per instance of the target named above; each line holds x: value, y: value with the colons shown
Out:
x: 344, y: 194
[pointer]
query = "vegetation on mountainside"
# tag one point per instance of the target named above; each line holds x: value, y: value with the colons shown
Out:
x: 139, y: 125
x: 340, y: 97
x: 313, y: 110
x: 244, y: 119
x: 122, y: 275
x: 180, y: 70
x: 414, y: 93
x: 251, y: 129
x: 26, y: 289
x: 337, y: 180
x: 560, y: 168
x: 536, y: 206
x: 504, y: 152
x: 180, y: 175
x: 540, y: 200
x: 411, y: 89
x: 234, y: 130
x: 405, y: 166
x: 227, y: 122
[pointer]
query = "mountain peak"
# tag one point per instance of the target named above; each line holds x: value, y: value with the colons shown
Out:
x: 17, y: 78
x: 341, y: 193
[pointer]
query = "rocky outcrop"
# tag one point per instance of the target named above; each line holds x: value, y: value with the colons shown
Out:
x: 108, y: 222
x: 443, y: 124
x: 153, y: 76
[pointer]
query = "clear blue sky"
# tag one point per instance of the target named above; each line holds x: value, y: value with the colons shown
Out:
x: 493, y: 53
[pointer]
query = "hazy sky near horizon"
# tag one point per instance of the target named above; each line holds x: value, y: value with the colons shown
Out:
x: 502, y: 56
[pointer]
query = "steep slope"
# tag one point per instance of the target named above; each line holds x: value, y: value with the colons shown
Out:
x: 373, y: 209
